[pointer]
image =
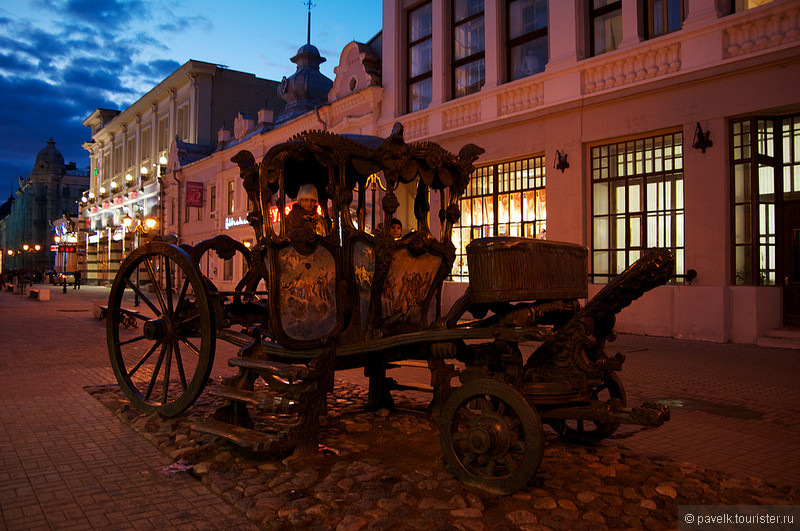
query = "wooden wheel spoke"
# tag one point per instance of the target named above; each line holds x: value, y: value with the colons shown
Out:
x: 470, y: 457
x: 182, y: 296
x: 191, y: 346
x: 168, y: 284
x: 152, y: 274
x: 501, y: 408
x: 187, y: 320
x: 508, y: 461
x: 167, y: 367
x: 467, y: 415
x: 490, y: 467
x: 462, y: 435
x: 143, y: 359
x: 129, y: 341
x: 144, y: 298
x: 157, y: 369
x: 179, y: 363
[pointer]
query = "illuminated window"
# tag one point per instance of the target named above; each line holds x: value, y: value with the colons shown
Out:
x: 230, y: 197
x: 605, y: 25
x: 105, y: 169
x: 469, y: 65
x: 637, y: 202
x: 505, y: 199
x: 420, y: 58
x: 765, y: 172
x: 527, y: 37
x: 663, y: 16
x: 117, y: 158
x: 227, y: 269
x: 738, y: 6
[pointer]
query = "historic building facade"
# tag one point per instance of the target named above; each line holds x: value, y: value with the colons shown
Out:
x: 619, y: 125
x: 129, y: 152
x: 598, y: 120
x: 51, y: 191
x: 203, y: 194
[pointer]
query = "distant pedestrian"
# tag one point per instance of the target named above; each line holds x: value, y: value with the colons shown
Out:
x: 77, y: 284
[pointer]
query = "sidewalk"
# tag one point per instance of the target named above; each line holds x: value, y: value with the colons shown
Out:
x: 67, y: 462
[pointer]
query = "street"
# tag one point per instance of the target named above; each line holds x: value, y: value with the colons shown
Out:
x: 66, y: 461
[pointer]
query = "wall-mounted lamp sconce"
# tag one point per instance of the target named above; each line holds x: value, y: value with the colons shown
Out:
x: 561, y: 161
x: 702, y: 141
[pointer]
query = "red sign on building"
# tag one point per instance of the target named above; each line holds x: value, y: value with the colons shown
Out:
x: 194, y: 194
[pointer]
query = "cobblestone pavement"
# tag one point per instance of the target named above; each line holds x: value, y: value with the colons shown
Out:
x: 74, y: 455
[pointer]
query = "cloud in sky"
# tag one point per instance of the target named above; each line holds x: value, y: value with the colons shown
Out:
x: 62, y: 59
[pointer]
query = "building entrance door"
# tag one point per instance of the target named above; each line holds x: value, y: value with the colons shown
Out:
x: 791, y: 263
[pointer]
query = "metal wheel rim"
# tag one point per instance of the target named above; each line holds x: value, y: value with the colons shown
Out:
x: 150, y: 367
x: 491, y: 437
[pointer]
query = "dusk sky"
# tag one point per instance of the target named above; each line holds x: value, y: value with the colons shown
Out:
x: 62, y: 59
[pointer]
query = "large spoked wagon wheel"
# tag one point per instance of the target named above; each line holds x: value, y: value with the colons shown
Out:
x: 491, y: 437
x: 164, y: 366
x: 589, y: 431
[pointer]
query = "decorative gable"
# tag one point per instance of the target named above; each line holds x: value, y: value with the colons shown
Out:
x: 359, y: 68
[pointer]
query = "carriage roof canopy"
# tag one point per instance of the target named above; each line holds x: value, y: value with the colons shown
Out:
x: 338, y: 164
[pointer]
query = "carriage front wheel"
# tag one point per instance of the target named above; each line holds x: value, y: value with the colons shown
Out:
x: 610, y: 391
x: 491, y: 437
x: 162, y: 363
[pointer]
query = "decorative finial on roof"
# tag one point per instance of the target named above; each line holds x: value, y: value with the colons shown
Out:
x: 310, y: 4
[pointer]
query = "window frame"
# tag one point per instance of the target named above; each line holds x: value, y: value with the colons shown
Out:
x: 759, y: 147
x: 596, y: 13
x: 733, y: 8
x: 525, y: 38
x: 488, y: 183
x: 163, y: 133
x: 477, y: 58
x: 182, y: 122
x: 413, y: 80
x: 654, y: 215
x: 230, y: 198
x: 666, y: 6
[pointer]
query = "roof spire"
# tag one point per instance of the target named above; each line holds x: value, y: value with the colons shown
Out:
x: 308, y: 33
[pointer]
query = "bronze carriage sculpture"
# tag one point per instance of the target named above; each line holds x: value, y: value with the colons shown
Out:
x: 339, y: 297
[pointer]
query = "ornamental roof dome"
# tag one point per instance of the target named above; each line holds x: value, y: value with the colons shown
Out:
x: 307, y: 88
x: 49, y: 158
